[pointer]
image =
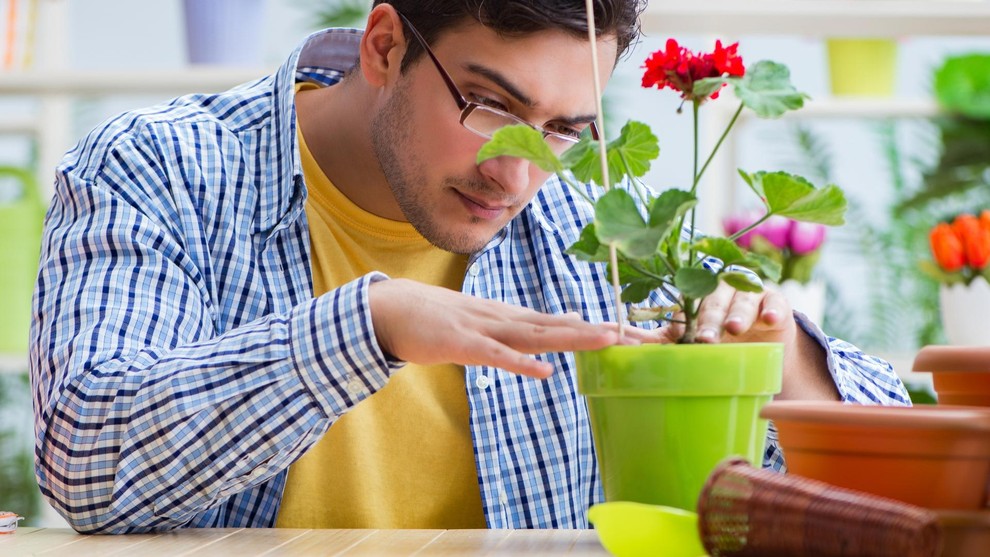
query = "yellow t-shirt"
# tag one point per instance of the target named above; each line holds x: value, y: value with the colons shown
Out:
x: 403, y: 457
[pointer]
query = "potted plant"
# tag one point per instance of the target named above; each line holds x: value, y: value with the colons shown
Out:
x: 961, y: 253
x: 796, y: 247
x: 663, y: 416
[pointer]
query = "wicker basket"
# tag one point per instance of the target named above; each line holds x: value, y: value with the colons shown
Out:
x: 744, y: 511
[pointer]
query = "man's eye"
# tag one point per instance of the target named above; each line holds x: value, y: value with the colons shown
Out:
x: 490, y: 103
x: 568, y: 131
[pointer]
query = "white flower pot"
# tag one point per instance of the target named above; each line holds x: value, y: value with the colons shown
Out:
x: 809, y: 298
x: 966, y: 313
x: 224, y: 32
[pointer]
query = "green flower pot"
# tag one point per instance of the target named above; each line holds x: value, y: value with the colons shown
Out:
x: 21, y: 215
x: 663, y: 416
x: 862, y: 67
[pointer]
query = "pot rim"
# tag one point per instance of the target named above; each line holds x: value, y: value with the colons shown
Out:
x: 947, y: 417
x: 940, y: 358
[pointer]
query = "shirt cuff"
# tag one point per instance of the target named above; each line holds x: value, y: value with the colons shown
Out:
x: 335, y: 349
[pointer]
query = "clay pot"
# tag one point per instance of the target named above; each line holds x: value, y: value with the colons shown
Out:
x: 936, y: 457
x: 961, y: 374
x: 965, y: 534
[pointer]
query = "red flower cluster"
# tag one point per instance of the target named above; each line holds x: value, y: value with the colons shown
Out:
x: 965, y: 242
x: 678, y: 68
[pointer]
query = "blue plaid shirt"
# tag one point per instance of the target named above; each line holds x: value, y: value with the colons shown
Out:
x: 181, y: 363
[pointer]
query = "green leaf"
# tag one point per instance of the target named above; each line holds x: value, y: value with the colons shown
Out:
x: 588, y: 248
x: 629, y: 155
x: 695, y: 282
x: 766, y: 89
x: 794, y: 197
x: 962, y: 85
x: 723, y: 249
x: 931, y: 269
x: 638, y: 290
x: 618, y: 220
x: 766, y: 267
x: 637, y: 146
x: 800, y: 267
x: 667, y: 209
x: 583, y: 161
x: 743, y: 282
x: 702, y: 88
x: 523, y: 142
x: 754, y: 184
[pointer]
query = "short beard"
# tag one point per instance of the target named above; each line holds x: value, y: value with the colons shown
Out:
x: 391, y: 132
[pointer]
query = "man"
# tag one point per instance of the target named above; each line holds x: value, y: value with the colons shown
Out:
x: 215, y: 291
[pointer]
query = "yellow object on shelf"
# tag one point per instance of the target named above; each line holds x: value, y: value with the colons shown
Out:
x: 862, y: 67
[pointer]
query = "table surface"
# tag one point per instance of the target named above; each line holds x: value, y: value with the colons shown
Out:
x: 247, y: 542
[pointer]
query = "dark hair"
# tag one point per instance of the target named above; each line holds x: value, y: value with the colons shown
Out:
x: 520, y: 17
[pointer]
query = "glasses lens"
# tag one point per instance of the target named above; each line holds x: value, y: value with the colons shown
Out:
x: 486, y: 121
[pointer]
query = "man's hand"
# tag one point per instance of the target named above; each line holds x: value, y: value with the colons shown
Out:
x: 426, y: 324
x: 728, y: 315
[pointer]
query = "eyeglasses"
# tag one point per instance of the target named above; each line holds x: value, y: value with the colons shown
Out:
x: 486, y: 120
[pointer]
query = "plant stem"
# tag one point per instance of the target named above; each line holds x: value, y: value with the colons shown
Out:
x: 690, y: 321
x: 697, y: 175
x: 743, y: 231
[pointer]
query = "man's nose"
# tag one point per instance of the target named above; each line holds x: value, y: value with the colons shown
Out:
x: 509, y: 173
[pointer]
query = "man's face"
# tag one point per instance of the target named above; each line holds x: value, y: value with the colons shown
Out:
x: 428, y: 158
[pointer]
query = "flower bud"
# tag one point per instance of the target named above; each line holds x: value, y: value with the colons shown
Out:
x: 947, y: 248
x: 975, y: 240
x: 805, y: 237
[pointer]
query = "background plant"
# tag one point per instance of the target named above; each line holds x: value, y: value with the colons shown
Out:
x: 657, y: 246
x: 794, y: 245
x: 960, y: 249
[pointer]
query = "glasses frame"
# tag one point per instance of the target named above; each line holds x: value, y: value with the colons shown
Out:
x: 467, y: 107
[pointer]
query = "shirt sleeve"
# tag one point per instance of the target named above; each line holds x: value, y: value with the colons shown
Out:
x: 147, y: 410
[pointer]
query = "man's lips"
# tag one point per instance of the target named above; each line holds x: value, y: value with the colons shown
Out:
x: 480, y: 208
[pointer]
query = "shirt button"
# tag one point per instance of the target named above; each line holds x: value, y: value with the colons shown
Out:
x: 355, y: 387
x: 474, y: 269
x: 502, y: 497
x: 482, y: 382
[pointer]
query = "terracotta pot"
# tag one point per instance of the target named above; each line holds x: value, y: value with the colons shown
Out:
x: 965, y: 534
x: 960, y: 374
x: 936, y: 457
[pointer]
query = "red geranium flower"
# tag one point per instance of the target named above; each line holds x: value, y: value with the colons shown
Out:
x: 678, y: 68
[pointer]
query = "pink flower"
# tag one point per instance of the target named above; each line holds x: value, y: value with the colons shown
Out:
x: 735, y: 223
x: 805, y: 237
x: 776, y: 230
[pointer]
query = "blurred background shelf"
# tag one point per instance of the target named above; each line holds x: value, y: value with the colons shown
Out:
x: 847, y: 18
x: 167, y: 82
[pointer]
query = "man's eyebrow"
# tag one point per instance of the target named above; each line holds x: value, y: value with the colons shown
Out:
x: 510, y: 88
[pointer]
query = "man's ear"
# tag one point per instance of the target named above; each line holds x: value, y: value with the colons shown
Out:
x: 382, y: 46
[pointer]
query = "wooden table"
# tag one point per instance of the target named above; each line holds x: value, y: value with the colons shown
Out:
x: 247, y: 542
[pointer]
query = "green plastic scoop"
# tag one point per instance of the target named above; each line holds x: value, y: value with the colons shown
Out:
x: 629, y: 529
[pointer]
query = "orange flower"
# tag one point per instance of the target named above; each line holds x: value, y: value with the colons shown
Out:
x: 975, y: 240
x: 947, y: 248
x: 985, y: 219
